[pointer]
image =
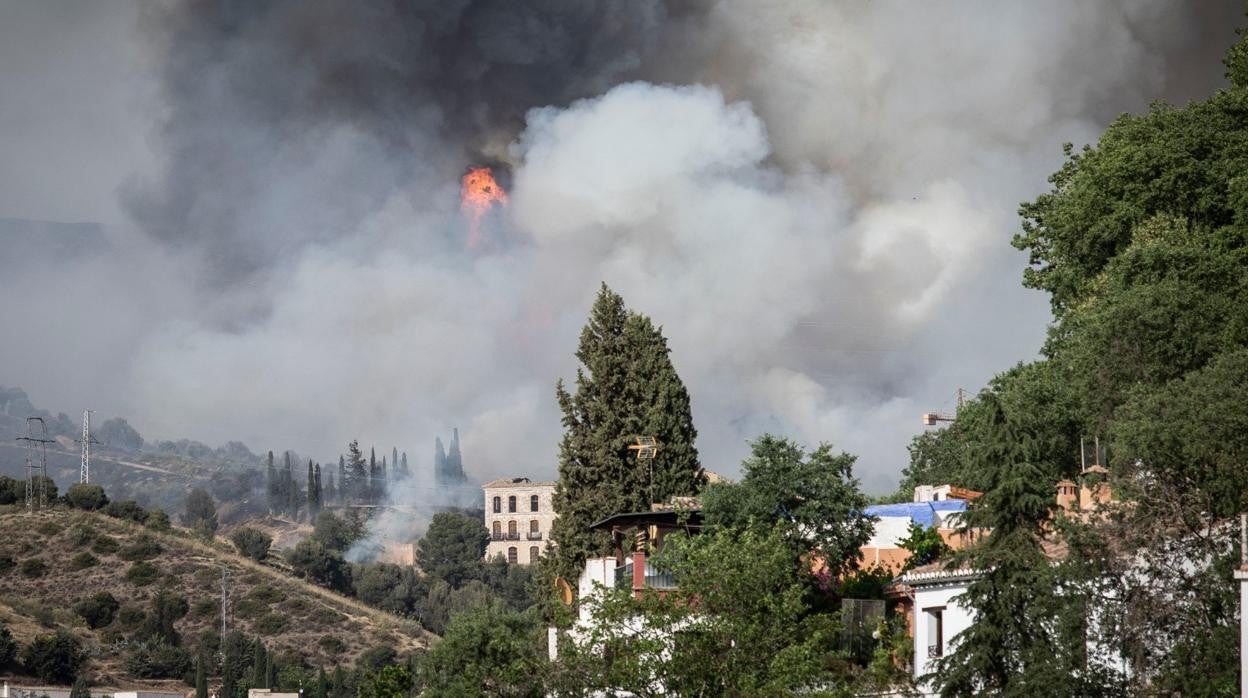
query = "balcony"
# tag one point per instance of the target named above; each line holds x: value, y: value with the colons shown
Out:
x: 513, y: 536
x: 534, y: 535
x: 653, y: 578
x: 496, y: 536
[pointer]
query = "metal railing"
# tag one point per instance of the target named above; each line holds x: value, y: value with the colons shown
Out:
x: 535, y: 535
x: 653, y: 578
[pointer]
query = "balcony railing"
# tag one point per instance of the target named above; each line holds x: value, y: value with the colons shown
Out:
x: 513, y: 536
x: 535, y: 535
x: 496, y: 536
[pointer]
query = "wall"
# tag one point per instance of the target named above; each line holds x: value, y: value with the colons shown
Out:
x: 956, y: 619
x: 545, y: 517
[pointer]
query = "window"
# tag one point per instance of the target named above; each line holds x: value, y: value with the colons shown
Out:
x: 533, y: 553
x: 511, y: 504
x: 512, y: 556
x: 533, y: 503
x: 533, y: 526
x: 498, y: 531
x: 498, y: 505
x: 511, y: 530
x: 935, y: 631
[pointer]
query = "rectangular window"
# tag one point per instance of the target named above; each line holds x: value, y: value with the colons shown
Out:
x: 935, y: 631
x: 511, y: 504
x: 498, y: 505
x: 533, y: 503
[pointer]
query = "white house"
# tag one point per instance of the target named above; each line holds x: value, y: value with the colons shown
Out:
x: 938, y: 617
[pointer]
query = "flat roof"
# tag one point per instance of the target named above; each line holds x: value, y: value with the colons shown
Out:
x: 515, y: 482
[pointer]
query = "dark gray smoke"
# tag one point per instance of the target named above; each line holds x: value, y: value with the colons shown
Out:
x: 407, y: 91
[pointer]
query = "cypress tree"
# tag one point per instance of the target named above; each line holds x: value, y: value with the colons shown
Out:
x: 394, y: 460
x: 201, y: 678
x: 270, y: 672
x: 626, y: 387
x: 259, y: 660
x: 406, y: 472
x: 311, y: 491
x: 354, y: 485
x: 331, y: 490
x: 338, y: 684
x: 322, y: 683
x: 273, y: 498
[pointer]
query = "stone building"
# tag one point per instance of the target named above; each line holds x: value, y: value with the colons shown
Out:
x: 519, y: 514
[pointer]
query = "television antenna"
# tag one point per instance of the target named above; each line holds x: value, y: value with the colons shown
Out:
x: 647, y: 447
x: 37, y: 441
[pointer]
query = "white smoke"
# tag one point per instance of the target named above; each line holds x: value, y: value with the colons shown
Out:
x: 815, y: 200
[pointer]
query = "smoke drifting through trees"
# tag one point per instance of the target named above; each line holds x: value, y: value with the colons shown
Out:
x: 820, y: 225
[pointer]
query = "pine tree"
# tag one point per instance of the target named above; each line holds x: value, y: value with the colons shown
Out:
x: 626, y: 387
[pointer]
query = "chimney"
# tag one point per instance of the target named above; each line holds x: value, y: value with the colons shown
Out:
x: 1066, y: 495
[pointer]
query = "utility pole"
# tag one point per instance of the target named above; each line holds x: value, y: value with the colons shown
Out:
x: 84, y: 470
x: 36, y: 440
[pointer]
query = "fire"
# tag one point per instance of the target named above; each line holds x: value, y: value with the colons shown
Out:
x: 477, y: 194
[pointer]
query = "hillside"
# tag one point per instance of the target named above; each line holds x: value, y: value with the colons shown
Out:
x: 293, y: 618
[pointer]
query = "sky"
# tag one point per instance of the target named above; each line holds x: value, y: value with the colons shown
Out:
x: 815, y: 200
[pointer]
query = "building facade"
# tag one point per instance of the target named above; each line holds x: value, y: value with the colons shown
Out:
x: 519, y: 514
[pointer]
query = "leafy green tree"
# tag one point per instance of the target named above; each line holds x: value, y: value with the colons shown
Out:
x: 157, y: 520
x: 314, y: 561
x: 814, y: 497
x: 925, y: 545
x: 80, y: 689
x: 84, y: 496
x: 394, y: 681
x: 626, y: 387
x: 338, y: 532
x: 452, y: 548
x: 167, y: 608
x: 200, y: 513
x: 252, y: 543
x: 54, y: 658
x: 486, y: 651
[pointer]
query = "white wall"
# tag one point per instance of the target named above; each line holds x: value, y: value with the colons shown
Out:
x: 889, y: 531
x: 956, y: 618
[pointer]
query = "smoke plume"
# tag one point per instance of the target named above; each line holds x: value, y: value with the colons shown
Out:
x: 814, y: 199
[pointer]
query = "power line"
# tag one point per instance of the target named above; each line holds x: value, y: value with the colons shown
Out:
x: 36, y: 441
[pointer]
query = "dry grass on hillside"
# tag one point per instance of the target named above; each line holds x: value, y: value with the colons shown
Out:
x: 293, y: 617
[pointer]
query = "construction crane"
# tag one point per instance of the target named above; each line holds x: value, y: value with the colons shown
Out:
x: 930, y: 419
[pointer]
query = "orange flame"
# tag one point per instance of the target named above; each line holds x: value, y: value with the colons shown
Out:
x: 477, y: 194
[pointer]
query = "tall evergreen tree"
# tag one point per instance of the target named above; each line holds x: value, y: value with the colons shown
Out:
x: 201, y: 676
x: 270, y: 671
x: 394, y: 461
x: 331, y: 489
x: 373, y: 474
x: 322, y: 684
x: 274, y: 501
x: 406, y: 472
x: 259, y: 660
x: 314, y: 476
x: 626, y: 387
x: 355, y: 482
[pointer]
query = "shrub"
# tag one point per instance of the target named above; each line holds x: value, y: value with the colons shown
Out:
x: 7, y: 563
x: 54, y: 658
x: 131, y: 617
x: 49, y: 528
x: 34, y: 567
x: 248, y: 607
x: 157, y: 520
x: 377, y: 657
x: 266, y: 593
x: 104, y: 545
x: 84, y: 496
x: 270, y: 624
x: 158, y: 660
x: 98, y: 610
x: 142, y: 573
x: 252, y: 543
x: 128, y: 510
x: 205, y: 608
x: 81, y: 535
x: 82, y: 561
x: 332, y: 645
x: 143, y: 548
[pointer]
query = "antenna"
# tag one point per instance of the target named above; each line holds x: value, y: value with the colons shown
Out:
x: 84, y: 471
x: 37, y: 441
x: 647, y: 447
